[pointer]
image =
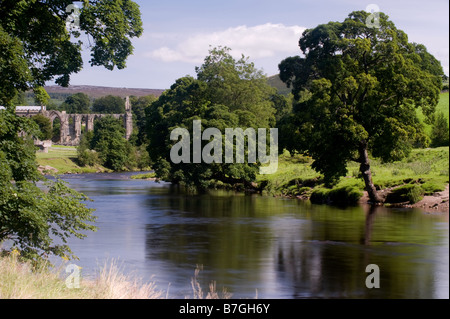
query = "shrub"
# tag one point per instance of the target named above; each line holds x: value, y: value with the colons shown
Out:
x: 411, y: 193
x: 345, y: 195
x: 45, y: 127
x: 88, y: 157
x: 430, y: 188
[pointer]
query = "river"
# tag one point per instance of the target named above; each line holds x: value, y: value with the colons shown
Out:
x: 257, y: 246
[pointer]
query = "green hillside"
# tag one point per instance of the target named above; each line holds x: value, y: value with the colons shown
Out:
x: 275, y: 82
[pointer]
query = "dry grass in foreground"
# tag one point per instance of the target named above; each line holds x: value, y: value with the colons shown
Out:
x: 19, y: 281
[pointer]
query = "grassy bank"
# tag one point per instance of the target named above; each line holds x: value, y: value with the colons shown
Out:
x: 424, y: 172
x: 19, y: 280
x: 64, y: 160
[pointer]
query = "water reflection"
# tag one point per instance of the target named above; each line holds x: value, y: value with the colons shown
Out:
x: 282, y: 248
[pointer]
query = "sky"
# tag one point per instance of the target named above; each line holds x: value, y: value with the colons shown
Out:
x: 178, y: 34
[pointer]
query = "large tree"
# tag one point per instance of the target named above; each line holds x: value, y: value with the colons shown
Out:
x: 228, y: 93
x: 36, y: 46
x: 109, y: 105
x: 78, y: 103
x: 41, y: 40
x: 356, y: 89
x: 35, y: 219
x: 108, y: 140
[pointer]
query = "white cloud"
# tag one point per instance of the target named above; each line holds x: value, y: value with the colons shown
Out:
x: 261, y: 41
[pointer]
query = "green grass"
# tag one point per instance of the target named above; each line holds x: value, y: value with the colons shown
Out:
x: 427, y: 168
x: 144, y: 176
x: 64, y: 159
x: 443, y: 106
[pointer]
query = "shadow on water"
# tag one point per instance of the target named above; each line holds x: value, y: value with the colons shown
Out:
x: 281, y: 248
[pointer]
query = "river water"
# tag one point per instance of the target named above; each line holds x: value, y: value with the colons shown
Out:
x: 255, y: 246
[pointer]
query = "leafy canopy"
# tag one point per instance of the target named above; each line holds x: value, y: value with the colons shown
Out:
x: 108, y: 140
x: 356, y: 89
x: 78, y: 103
x: 36, y: 46
x: 109, y: 105
x: 37, y: 216
x: 228, y: 93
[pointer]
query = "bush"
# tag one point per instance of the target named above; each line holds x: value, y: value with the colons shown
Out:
x: 429, y: 188
x: 345, y: 195
x: 45, y: 127
x: 440, y: 131
x: 411, y: 193
x: 88, y: 158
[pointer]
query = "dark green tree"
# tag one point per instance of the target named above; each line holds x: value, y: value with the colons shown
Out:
x: 356, y: 89
x: 108, y: 140
x: 78, y: 103
x: 41, y: 96
x: 109, y: 105
x: 37, y: 46
x: 45, y: 127
x: 227, y: 94
x: 138, y: 107
x: 37, y: 222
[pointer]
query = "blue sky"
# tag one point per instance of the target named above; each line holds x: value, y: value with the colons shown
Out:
x: 177, y: 34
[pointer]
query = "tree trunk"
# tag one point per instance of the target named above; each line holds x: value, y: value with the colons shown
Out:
x: 367, y: 174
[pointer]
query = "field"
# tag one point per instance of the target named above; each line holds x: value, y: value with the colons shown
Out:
x: 443, y: 106
x: 63, y: 159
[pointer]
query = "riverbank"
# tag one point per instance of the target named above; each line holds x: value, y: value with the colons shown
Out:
x: 63, y: 160
x: 19, y: 280
x: 432, y: 204
x: 420, y: 180
x: 437, y: 203
x: 424, y: 175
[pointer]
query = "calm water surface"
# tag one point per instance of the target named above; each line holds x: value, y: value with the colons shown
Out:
x: 260, y: 246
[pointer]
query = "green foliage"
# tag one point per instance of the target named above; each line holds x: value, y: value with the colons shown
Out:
x: 77, y: 103
x: 45, y: 127
x: 107, y: 146
x: 138, y: 107
x: 440, y: 131
x: 344, y: 195
x: 227, y: 94
x: 108, y: 140
x: 86, y: 156
x: 411, y: 193
x: 19, y: 99
x: 36, y: 46
x: 38, y: 220
x: 237, y: 84
x: 41, y: 96
x: 14, y: 75
x: 295, y: 175
x: 356, y: 90
x: 109, y: 105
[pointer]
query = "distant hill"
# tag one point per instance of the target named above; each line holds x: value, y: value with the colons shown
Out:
x: 98, y: 91
x: 275, y: 82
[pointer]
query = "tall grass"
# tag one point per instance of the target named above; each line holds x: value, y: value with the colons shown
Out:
x: 211, y: 294
x: 19, y: 280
